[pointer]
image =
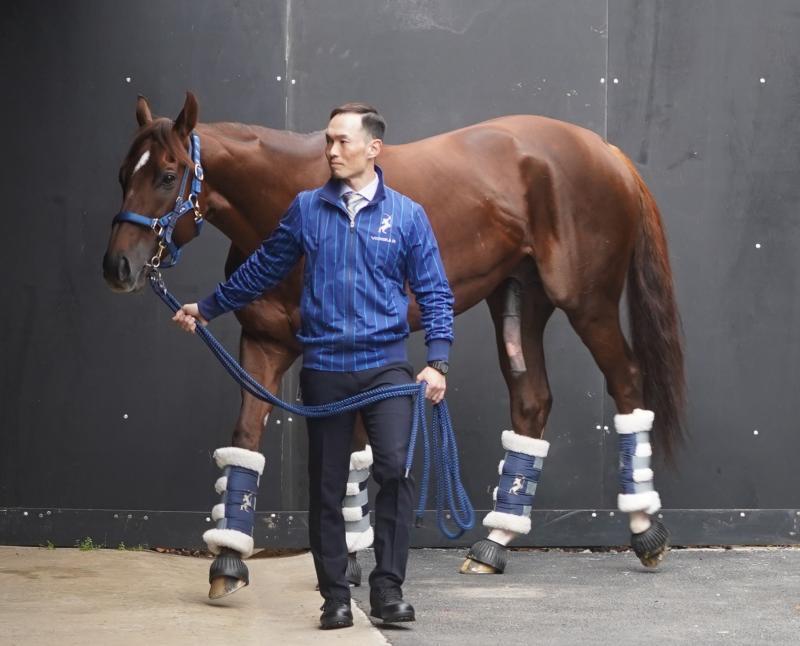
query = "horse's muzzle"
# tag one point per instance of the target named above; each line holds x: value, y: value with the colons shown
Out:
x: 117, y: 271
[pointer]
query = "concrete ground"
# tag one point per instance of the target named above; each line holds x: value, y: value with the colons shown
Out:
x: 108, y: 597
x: 704, y: 597
x: 67, y: 597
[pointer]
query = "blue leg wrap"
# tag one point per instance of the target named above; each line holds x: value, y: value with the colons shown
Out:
x: 518, y: 481
x: 239, y: 500
x: 519, y: 477
x: 637, y: 492
x: 235, y: 514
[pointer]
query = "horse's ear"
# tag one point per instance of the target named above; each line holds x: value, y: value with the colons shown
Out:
x: 187, y: 119
x: 143, y: 114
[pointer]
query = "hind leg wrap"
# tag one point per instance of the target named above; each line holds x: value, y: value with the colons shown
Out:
x: 519, y: 477
x: 238, y: 487
x: 637, y: 493
x: 355, y: 505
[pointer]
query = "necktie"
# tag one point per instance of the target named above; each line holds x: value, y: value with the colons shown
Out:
x: 351, y: 200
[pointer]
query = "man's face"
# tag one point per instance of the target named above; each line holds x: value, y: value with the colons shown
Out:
x: 350, y: 149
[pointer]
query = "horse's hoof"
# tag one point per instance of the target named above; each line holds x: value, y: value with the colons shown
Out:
x: 222, y: 586
x: 475, y: 567
x: 485, y: 557
x: 652, y: 545
x: 228, y: 574
x: 353, y: 570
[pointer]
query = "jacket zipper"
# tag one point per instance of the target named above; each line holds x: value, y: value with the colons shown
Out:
x: 350, y: 308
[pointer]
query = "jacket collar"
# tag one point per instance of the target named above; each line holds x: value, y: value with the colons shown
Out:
x: 330, y: 191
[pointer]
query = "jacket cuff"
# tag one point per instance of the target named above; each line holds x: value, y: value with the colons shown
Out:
x: 210, y: 308
x: 438, y: 350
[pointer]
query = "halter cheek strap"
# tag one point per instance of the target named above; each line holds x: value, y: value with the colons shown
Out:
x: 165, y: 225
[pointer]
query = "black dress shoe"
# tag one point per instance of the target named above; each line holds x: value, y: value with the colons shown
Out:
x: 335, y: 614
x: 389, y: 606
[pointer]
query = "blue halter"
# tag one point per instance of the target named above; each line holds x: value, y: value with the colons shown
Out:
x: 165, y: 225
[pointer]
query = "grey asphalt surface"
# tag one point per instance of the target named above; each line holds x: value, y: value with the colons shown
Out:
x: 697, y: 596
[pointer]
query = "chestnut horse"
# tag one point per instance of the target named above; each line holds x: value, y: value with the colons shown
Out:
x: 531, y: 214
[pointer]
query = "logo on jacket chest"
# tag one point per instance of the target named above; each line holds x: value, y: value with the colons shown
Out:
x: 384, y: 230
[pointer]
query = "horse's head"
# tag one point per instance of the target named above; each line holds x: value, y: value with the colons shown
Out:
x: 151, y: 178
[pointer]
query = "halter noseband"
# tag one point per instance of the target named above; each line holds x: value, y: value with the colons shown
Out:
x: 165, y: 225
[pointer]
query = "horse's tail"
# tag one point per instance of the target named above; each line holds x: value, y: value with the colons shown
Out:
x: 656, y: 332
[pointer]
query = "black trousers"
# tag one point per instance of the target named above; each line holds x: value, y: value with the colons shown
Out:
x: 388, y: 425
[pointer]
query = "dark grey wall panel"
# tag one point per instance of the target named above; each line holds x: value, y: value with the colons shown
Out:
x: 76, y: 358
x: 707, y: 105
x: 437, y: 66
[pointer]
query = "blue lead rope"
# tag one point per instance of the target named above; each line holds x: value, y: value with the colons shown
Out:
x: 445, y: 451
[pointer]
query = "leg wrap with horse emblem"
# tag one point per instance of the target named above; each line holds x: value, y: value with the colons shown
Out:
x: 355, y: 505
x: 519, y: 477
x: 235, y: 515
x: 635, y: 475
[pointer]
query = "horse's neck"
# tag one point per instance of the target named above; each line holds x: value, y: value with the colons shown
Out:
x: 253, y: 173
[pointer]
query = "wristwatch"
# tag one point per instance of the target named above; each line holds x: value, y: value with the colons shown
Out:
x: 441, y: 366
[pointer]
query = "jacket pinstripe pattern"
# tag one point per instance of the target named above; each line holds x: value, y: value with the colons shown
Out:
x: 354, y: 305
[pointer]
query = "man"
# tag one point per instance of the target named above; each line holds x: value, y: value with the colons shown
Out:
x: 362, y: 242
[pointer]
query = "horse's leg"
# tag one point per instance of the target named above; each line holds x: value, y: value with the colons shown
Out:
x: 358, y: 531
x: 520, y: 310
x: 267, y: 361
x: 596, y: 320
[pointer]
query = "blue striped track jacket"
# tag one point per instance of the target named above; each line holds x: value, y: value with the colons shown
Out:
x: 354, y: 304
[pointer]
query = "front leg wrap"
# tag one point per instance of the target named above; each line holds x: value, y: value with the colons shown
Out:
x: 635, y: 475
x: 235, y: 514
x: 519, y: 477
x: 355, y: 505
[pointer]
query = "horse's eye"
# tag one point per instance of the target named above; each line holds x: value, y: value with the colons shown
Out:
x: 169, y: 178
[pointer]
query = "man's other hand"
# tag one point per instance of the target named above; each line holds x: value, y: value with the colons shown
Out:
x: 437, y: 384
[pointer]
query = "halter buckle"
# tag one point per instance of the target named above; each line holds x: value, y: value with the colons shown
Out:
x: 158, y: 229
x: 198, y: 171
x: 195, y: 203
x: 155, y: 261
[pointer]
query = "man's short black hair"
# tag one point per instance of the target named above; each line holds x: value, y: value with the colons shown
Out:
x: 371, y: 119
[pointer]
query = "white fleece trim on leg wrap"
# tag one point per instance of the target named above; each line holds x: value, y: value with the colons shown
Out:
x: 509, y: 522
x: 642, y: 475
x: 361, y: 459
x: 216, y: 539
x: 528, y: 445
x: 218, y: 512
x: 237, y: 457
x: 359, y: 540
x: 647, y: 501
x: 352, y: 489
x: 638, y: 421
x: 221, y: 485
x: 352, y: 514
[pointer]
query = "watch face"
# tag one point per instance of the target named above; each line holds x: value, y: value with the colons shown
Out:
x: 441, y: 366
